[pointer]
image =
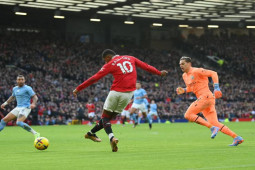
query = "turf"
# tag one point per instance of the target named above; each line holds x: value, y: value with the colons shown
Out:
x: 166, y: 146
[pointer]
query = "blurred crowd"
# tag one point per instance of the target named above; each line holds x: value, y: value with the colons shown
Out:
x: 54, y: 67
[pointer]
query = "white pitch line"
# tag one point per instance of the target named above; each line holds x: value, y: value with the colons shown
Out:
x: 225, y: 167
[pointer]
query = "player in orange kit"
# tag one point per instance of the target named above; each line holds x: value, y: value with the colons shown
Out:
x: 196, y: 80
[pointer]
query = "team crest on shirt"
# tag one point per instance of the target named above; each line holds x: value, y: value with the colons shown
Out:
x: 192, y: 77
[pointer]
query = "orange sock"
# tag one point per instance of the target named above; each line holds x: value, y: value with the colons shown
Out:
x: 228, y: 132
x: 203, y: 122
x: 198, y: 120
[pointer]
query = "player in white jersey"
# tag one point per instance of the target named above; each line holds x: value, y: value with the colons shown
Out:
x: 23, y: 95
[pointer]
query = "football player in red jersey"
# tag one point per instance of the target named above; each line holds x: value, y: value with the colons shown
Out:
x: 91, y: 111
x: 123, y: 69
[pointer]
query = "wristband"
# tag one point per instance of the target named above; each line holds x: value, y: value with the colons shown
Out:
x: 5, y: 103
x: 216, y: 85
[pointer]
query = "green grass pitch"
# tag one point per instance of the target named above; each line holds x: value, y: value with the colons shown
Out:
x: 167, y: 146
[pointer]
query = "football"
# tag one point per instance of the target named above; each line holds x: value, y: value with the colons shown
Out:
x: 41, y: 143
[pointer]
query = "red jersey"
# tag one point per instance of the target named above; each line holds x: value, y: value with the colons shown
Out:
x: 128, y: 106
x: 123, y: 69
x: 91, y: 108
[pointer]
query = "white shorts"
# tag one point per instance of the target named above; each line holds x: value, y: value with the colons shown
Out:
x: 91, y: 114
x: 141, y: 107
x: 21, y: 111
x: 125, y: 113
x: 117, y: 101
x: 153, y: 113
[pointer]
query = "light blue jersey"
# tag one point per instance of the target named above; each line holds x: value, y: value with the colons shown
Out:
x: 139, y: 93
x: 23, y: 95
x: 146, y: 103
x: 153, y: 108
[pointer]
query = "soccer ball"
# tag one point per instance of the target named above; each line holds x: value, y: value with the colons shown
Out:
x: 41, y: 143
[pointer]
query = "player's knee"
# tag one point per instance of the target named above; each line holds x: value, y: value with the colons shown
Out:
x: 19, y: 123
x: 187, y: 116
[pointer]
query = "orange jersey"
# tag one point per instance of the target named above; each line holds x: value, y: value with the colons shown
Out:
x: 196, y: 80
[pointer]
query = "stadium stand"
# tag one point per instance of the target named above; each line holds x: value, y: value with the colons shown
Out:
x: 54, y: 67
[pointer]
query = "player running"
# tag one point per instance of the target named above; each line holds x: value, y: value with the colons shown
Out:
x: 138, y: 102
x: 91, y: 111
x: 123, y: 69
x: 153, y: 112
x: 196, y: 80
x: 23, y: 94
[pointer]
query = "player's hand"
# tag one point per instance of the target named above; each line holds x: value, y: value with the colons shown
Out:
x: 163, y: 73
x: 32, y: 106
x: 217, y: 92
x: 180, y: 90
x: 75, y: 92
x: 2, y: 106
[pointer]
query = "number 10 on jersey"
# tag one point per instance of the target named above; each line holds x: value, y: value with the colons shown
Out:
x: 124, y: 68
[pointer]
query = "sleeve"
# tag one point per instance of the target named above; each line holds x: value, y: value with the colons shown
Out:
x: 13, y: 94
x: 208, y: 73
x: 144, y: 92
x: 146, y: 67
x: 187, y: 87
x: 100, y: 74
x: 31, y: 91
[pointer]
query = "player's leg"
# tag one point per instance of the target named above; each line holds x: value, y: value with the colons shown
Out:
x: 123, y: 117
x: 132, y: 113
x: 120, y: 101
x: 158, y: 118
x: 10, y: 116
x: 196, y: 107
x: 92, y: 133
x: 211, y: 116
x: 140, y: 115
x: 127, y: 116
x: 149, y: 117
x: 107, y: 106
x: 91, y: 117
x: 24, y: 112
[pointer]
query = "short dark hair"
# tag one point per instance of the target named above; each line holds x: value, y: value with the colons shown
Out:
x: 187, y: 59
x: 107, y: 52
x: 20, y: 76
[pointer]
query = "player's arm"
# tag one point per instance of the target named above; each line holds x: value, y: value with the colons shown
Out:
x: 11, y: 98
x: 149, y: 68
x: 209, y: 73
x: 35, y: 99
x: 181, y: 90
x: 215, y: 78
x: 100, y: 74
